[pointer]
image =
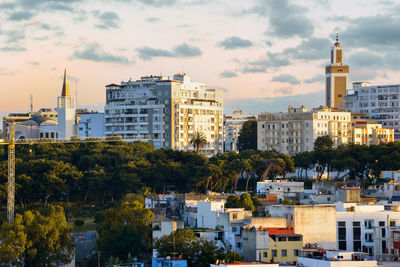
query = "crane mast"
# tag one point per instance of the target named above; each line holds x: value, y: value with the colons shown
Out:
x: 11, y: 176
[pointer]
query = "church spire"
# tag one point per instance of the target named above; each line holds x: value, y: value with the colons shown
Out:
x: 65, y: 88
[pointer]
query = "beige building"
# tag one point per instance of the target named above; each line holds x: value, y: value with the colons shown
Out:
x: 271, y: 244
x: 165, y: 111
x: 337, y: 77
x: 367, y: 131
x: 296, y: 130
x: 317, y: 223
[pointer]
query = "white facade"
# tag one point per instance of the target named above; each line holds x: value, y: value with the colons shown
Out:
x: 165, y: 112
x: 366, y: 228
x: 296, y: 130
x: 337, y: 259
x: 91, y: 125
x: 212, y: 215
x: 381, y: 102
x: 282, y: 188
x: 233, y: 124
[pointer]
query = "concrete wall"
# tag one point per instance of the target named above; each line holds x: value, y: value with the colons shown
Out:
x: 306, y: 262
x: 317, y: 224
x: 266, y: 222
x: 253, y: 243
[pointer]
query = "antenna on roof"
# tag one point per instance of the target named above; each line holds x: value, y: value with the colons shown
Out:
x: 31, y: 99
x: 76, y: 93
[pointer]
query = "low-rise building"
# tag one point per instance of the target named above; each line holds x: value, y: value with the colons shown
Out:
x: 282, y: 188
x: 271, y: 244
x: 168, y: 262
x: 213, y: 215
x: 166, y: 228
x: 334, y: 259
x: 307, y: 221
x: 245, y: 264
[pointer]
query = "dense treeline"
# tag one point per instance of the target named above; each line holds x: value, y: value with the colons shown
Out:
x: 104, y: 172
x: 351, y: 161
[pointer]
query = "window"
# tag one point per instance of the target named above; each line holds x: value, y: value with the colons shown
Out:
x: 342, y: 235
x: 296, y: 252
x: 356, y: 236
x: 274, y: 253
x: 265, y: 254
x: 234, y: 215
x: 284, y: 253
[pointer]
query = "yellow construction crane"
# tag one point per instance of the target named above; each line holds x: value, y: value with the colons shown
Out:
x: 11, y: 159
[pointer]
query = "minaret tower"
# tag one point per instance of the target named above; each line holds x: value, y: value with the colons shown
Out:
x: 66, y: 112
x: 337, y: 77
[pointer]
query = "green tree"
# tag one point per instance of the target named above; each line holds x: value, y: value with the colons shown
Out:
x: 13, y: 242
x: 37, y: 240
x: 197, y: 251
x: 245, y: 201
x: 248, y: 136
x: 198, y: 140
x: 125, y: 230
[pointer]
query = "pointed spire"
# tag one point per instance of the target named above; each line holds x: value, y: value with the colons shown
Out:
x: 65, y: 88
x: 337, y: 37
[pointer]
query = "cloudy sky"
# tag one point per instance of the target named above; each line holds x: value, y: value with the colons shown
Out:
x: 265, y: 54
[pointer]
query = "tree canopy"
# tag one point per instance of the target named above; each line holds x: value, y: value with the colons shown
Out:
x: 248, y: 136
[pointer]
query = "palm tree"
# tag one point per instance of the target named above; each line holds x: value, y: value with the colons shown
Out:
x: 198, y: 140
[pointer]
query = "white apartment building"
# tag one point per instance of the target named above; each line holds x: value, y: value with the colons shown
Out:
x: 233, y: 124
x: 296, y: 130
x: 165, y: 111
x: 90, y: 124
x: 381, y: 102
x: 366, y: 228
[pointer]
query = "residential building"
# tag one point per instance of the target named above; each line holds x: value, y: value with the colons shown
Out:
x: 367, y: 131
x: 191, y: 202
x: 245, y: 264
x: 168, y: 262
x: 337, y: 77
x: 166, y: 112
x: 213, y: 215
x: 166, y: 228
x: 296, y: 130
x: 271, y: 244
x: 328, y: 258
x: 233, y: 125
x: 381, y: 102
x: 90, y: 124
x: 307, y: 221
x: 282, y: 188
x: 14, y: 118
x: 366, y: 228
x: 349, y: 194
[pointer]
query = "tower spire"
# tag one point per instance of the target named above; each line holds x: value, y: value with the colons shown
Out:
x: 337, y: 37
x: 65, y: 88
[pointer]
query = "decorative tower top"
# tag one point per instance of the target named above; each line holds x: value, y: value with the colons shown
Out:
x: 65, y: 88
x: 65, y: 100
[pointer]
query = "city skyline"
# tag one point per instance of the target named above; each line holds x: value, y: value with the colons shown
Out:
x: 264, y: 54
